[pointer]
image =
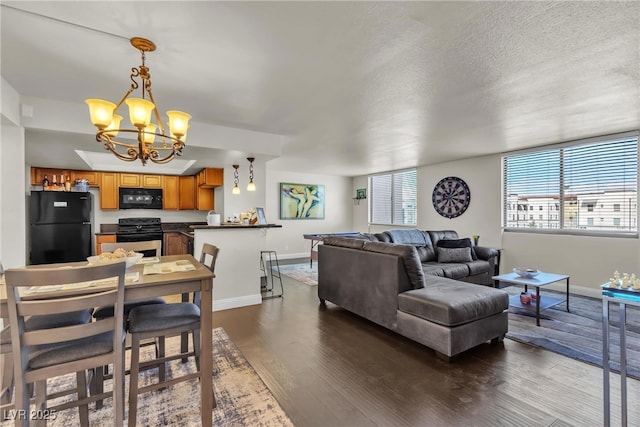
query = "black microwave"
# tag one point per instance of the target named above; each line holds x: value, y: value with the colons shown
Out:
x: 140, y: 198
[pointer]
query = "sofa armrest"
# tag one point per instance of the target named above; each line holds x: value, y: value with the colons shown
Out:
x: 489, y: 254
x: 485, y: 253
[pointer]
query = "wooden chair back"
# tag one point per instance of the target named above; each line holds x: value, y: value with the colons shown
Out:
x: 25, y: 298
x: 209, y: 251
x: 146, y: 246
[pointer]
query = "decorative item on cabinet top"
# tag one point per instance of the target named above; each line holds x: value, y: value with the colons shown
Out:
x: 206, y: 178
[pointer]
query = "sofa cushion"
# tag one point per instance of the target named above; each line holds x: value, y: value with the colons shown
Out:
x: 458, y: 243
x: 435, y: 236
x: 409, y: 255
x: 454, y: 255
x: 426, y: 253
x: 455, y: 271
x: 410, y: 237
x: 383, y: 237
x: 451, y: 303
x: 479, y: 267
x: 432, y: 269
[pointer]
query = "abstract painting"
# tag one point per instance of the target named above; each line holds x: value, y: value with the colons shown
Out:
x: 301, y: 201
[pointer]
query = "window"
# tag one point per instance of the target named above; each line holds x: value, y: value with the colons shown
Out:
x: 598, y: 176
x: 393, y: 198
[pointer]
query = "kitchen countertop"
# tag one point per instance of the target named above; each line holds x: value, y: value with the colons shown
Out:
x: 234, y: 225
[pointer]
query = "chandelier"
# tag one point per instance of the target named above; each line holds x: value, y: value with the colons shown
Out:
x: 140, y: 114
x: 251, y: 186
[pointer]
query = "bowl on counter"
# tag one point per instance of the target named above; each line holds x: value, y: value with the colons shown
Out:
x: 526, y: 273
x: 130, y: 260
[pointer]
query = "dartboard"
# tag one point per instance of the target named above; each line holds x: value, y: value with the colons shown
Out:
x: 451, y: 197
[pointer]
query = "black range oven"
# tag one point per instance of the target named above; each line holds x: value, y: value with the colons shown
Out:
x: 139, y: 229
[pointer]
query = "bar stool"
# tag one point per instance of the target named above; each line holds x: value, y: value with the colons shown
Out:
x: 268, y: 257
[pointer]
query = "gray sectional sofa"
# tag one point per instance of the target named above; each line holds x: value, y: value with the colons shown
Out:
x: 412, y: 283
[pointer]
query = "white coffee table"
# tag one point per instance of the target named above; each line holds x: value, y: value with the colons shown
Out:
x: 540, y: 280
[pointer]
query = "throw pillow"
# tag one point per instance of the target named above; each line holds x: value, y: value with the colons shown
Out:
x: 458, y: 243
x: 454, y: 255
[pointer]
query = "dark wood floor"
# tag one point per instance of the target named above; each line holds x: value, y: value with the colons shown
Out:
x: 328, y: 367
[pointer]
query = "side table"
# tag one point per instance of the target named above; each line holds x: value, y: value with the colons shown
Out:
x: 622, y: 297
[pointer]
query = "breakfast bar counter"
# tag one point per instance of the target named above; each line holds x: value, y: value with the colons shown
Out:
x: 237, y: 268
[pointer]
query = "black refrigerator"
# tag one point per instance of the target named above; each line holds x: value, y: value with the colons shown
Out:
x: 60, y: 228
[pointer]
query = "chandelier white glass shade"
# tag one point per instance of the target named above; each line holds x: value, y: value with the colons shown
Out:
x: 251, y: 186
x: 235, y: 190
x: 142, y: 112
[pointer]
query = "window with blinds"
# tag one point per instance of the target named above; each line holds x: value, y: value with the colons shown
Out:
x: 589, y: 186
x: 393, y: 198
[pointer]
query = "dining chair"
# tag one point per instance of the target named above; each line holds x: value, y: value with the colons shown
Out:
x: 208, y: 258
x: 172, y: 319
x: 32, y: 323
x: 150, y: 245
x: 41, y: 354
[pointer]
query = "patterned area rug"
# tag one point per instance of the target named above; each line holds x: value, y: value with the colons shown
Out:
x: 577, y: 334
x: 301, y: 272
x: 242, y: 398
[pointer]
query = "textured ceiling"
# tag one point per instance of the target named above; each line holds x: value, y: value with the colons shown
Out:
x: 353, y: 87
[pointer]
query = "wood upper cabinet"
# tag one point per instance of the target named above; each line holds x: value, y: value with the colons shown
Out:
x: 38, y: 174
x: 204, y: 199
x: 152, y: 181
x: 104, y: 238
x: 109, y: 190
x: 92, y: 176
x: 187, y: 198
x: 210, y: 177
x: 170, y: 192
x: 130, y: 180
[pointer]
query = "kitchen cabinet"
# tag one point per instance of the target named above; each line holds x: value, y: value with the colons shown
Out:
x: 170, y: 192
x: 187, y: 197
x: 109, y: 190
x: 176, y: 243
x: 152, y: 181
x: 179, y: 192
x: 187, y: 244
x: 173, y: 244
x: 204, y: 199
x: 38, y: 174
x: 103, y: 238
x: 130, y: 180
x: 92, y: 176
x: 210, y: 177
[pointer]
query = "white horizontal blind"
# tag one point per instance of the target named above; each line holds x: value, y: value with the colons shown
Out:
x: 584, y: 187
x: 393, y: 198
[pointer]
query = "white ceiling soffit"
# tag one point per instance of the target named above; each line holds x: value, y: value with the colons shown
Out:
x: 108, y: 162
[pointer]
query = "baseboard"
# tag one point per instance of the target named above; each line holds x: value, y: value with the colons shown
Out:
x: 578, y: 290
x: 294, y: 255
x: 226, y: 304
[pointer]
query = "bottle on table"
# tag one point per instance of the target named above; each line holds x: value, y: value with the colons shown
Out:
x: 45, y: 182
x: 67, y: 184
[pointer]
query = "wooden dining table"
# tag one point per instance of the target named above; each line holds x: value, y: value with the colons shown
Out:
x: 142, y: 286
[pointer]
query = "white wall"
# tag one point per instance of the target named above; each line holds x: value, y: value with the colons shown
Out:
x: 288, y: 240
x: 590, y: 261
x: 12, y: 184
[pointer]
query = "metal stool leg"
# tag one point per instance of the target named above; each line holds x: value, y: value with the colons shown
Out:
x: 267, y: 267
